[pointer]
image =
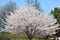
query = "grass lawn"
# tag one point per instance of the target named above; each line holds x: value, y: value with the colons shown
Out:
x: 15, y: 37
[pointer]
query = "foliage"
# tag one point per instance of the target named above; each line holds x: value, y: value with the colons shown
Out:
x: 56, y: 13
x: 28, y: 20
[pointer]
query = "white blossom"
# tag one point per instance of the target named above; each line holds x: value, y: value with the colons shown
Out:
x: 28, y: 19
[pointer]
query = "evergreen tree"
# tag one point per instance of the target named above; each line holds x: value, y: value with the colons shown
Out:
x: 56, y: 13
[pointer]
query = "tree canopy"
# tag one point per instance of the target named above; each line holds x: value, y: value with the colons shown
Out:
x: 28, y: 21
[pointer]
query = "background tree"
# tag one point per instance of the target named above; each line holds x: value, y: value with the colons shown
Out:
x: 35, y: 3
x: 56, y: 13
x: 28, y: 21
x: 5, y: 11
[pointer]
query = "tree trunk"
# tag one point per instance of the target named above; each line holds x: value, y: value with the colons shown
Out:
x: 30, y: 37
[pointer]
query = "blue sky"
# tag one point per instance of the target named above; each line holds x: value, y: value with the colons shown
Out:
x: 46, y: 5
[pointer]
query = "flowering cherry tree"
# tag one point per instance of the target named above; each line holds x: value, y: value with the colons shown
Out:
x: 28, y: 20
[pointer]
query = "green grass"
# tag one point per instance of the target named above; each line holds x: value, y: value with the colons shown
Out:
x: 15, y: 37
